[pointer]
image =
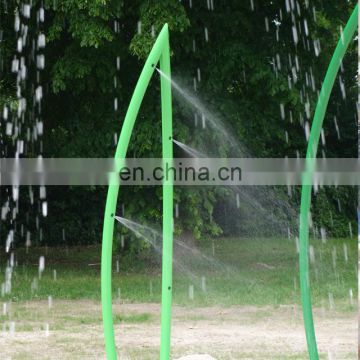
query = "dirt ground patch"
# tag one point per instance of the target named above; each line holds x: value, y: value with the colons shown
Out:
x: 73, y: 330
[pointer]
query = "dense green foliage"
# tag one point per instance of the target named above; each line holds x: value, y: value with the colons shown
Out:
x: 245, y: 71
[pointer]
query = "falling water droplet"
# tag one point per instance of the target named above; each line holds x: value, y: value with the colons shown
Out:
x: 323, y: 141
x: 350, y: 230
x: 191, y: 292
x: 289, y: 191
x: 206, y: 34
x: 5, y: 112
x: 295, y: 35
x: 195, y: 84
x: 44, y: 209
x: 17, y: 22
x: 317, y: 48
x: 19, y: 45
x: 306, y: 27
x: 42, y: 192
x: 297, y: 244
x: 267, y: 24
x: 312, y: 254
x: 50, y: 302
x: 41, y: 41
x: 39, y: 93
x: 40, y: 61
x: 331, y: 301
x: 4, y: 309
x: 307, y: 130
x: 282, y: 111
x: 12, y: 328
x: 203, y: 283
x: 47, y: 329
x: 42, y: 15
x: 339, y: 204
x: 351, y: 295
x: 41, y: 265
x: 198, y: 75
x: 252, y: 5
x: 287, y: 6
x: 152, y: 31
x: 345, y: 248
x: 323, y: 235
x: 26, y: 10
x: 342, y: 88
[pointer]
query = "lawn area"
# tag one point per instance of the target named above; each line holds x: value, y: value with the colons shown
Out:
x: 232, y: 272
x: 73, y: 328
x: 234, y: 299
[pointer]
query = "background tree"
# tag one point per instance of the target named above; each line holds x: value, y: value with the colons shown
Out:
x: 261, y: 65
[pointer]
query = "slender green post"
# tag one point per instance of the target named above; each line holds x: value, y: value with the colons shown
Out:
x: 306, y: 189
x: 168, y: 227
x: 160, y: 51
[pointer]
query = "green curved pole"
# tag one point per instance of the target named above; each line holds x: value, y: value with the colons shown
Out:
x: 168, y: 219
x: 306, y: 189
x: 160, y: 51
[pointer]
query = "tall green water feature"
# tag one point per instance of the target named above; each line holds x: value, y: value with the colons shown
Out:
x: 314, y: 137
x: 159, y: 53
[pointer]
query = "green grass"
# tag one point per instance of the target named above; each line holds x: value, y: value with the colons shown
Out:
x: 247, y: 271
x: 135, y: 318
